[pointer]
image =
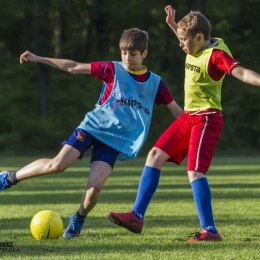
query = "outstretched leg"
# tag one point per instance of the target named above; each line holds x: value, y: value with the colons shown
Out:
x: 67, y: 156
x: 133, y: 220
x: 149, y: 181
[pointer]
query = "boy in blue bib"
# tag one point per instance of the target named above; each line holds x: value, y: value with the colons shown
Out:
x: 115, y: 129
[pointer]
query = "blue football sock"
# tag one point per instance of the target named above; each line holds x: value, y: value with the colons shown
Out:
x: 202, y: 197
x: 147, y: 186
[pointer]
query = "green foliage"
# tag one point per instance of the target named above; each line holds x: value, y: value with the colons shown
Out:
x: 170, y: 218
x: 89, y: 31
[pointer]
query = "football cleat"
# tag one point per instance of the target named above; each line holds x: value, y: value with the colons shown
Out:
x: 74, y: 228
x: 4, y: 182
x: 127, y: 220
x: 204, y: 235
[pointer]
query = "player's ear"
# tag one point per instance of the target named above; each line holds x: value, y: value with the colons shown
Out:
x: 145, y: 53
x: 199, y: 37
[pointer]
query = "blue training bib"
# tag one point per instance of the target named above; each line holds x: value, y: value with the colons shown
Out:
x: 123, y: 121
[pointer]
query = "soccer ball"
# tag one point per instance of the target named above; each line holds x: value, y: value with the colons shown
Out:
x: 46, y: 224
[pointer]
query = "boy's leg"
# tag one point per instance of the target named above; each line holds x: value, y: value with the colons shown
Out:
x: 73, y: 149
x: 66, y: 157
x: 149, y: 181
x: 40, y: 167
x: 99, y: 172
x: 102, y: 163
x: 205, y: 136
x: 133, y: 220
x: 147, y: 186
x: 202, y: 197
x: 173, y: 146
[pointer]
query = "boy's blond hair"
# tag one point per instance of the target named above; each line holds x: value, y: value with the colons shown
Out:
x: 195, y: 22
x: 134, y: 39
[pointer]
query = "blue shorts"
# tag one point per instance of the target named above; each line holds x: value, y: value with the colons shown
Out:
x: 83, y: 140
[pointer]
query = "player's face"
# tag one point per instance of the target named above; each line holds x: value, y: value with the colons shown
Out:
x: 189, y: 44
x: 133, y: 60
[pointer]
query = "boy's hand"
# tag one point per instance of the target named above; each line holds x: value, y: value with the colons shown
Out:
x: 28, y: 56
x: 170, y: 18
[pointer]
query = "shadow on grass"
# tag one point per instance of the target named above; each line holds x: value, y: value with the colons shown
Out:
x: 72, y: 193
x: 151, y: 222
x: 70, y: 248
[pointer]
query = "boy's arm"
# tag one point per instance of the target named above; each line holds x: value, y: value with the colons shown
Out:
x: 170, y: 18
x: 246, y: 75
x: 61, y: 64
x: 175, y: 109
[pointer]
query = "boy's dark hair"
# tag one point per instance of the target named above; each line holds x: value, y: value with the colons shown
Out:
x: 134, y: 39
x: 195, y: 22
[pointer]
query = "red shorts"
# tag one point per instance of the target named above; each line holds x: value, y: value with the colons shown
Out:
x: 195, y: 135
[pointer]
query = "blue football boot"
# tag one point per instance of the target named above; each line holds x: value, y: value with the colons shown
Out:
x: 4, y: 182
x: 74, y: 228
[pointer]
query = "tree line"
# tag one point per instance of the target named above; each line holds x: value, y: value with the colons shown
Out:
x: 41, y: 106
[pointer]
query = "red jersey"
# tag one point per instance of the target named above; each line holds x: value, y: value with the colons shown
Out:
x: 220, y: 63
x: 105, y: 71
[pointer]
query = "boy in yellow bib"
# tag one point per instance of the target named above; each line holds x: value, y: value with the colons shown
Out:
x: 197, y: 131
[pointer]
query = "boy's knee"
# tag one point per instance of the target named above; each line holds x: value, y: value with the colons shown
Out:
x: 156, y: 157
x: 55, y: 167
x: 155, y: 154
x: 195, y: 175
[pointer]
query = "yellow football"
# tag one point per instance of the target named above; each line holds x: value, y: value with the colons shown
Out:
x: 46, y: 224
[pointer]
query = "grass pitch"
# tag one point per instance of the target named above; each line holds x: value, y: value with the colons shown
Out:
x: 170, y: 218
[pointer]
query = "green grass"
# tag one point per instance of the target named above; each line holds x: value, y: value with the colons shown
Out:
x: 170, y: 217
